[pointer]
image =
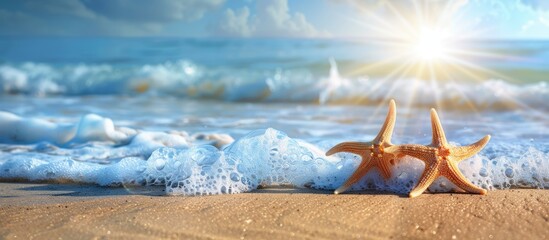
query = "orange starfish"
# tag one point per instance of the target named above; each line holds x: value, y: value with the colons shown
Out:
x: 372, y: 153
x: 441, y: 159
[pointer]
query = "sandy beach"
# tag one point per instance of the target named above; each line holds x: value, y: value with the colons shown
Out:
x: 242, y: 119
x: 48, y: 211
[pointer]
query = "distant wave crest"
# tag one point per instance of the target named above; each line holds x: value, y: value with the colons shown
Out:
x: 186, y: 79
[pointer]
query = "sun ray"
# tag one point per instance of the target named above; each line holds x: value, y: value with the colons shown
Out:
x: 379, y: 83
x: 460, y: 62
x: 389, y: 93
x: 434, y: 85
x: 407, y: 26
x: 426, y: 43
x: 487, y: 55
x: 508, y: 101
x: 378, y: 64
x: 418, y: 12
x: 410, y: 103
x: 464, y: 96
x: 383, y: 30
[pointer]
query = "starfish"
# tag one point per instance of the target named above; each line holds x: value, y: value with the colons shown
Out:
x: 441, y: 159
x: 372, y: 153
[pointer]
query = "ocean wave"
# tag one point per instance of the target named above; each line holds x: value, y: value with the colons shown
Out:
x: 188, y: 80
x: 110, y: 156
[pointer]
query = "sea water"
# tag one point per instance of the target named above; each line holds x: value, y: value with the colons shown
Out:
x: 203, y: 116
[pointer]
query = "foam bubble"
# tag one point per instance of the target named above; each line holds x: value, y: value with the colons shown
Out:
x: 108, y: 156
x: 269, y: 157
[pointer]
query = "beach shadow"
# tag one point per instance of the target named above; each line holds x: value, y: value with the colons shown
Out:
x: 84, y: 190
x: 10, y: 196
x: 293, y: 190
x: 374, y: 192
x: 89, y: 190
x: 290, y: 190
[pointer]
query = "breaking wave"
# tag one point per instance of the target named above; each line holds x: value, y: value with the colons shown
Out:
x: 188, y: 80
x: 95, y: 151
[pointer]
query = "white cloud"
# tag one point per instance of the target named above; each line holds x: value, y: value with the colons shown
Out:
x: 235, y: 23
x: 272, y: 18
x: 544, y: 21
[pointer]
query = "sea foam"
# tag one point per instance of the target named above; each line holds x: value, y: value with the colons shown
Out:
x: 90, y: 128
x: 103, y: 154
x: 186, y: 79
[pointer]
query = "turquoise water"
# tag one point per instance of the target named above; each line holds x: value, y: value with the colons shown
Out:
x: 225, y: 116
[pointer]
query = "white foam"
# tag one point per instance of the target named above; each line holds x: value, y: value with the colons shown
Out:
x: 186, y: 79
x: 93, y: 150
x: 270, y: 157
x: 91, y: 127
x: 12, y: 79
x: 16, y: 129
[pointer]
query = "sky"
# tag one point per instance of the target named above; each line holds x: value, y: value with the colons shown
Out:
x: 502, y: 19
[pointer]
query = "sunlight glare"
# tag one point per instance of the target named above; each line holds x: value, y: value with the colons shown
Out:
x: 431, y: 45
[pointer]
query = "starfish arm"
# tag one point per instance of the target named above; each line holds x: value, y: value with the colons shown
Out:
x: 454, y: 175
x: 427, y: 177
x: 386, y: 130
x: 362, y: 169
x: 465, y: 152
x: 420, y: 152
x: 439, y: 138
x: 383, y: 166
x: 360, y: 148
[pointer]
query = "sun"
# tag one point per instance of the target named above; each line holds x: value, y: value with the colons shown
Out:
x: 425, y: 46
x: 431, y: 45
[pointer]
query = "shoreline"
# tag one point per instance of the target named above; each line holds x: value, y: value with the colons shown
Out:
x: 87, y: 211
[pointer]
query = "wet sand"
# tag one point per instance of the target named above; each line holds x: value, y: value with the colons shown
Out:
x: 52, y: 211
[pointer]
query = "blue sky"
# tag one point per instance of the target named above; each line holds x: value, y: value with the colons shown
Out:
x: 526, y: 19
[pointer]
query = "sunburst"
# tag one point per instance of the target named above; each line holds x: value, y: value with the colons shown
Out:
x: 427, y: 41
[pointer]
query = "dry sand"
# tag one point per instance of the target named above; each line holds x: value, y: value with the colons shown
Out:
x: 51, y: 211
